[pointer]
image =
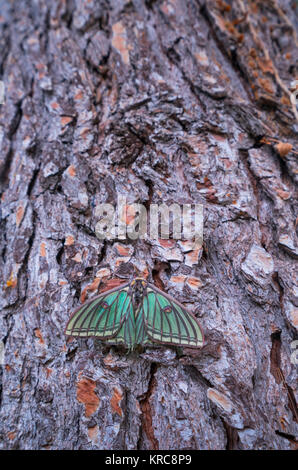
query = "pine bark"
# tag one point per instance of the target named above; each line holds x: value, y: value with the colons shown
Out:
x: 185, y: 101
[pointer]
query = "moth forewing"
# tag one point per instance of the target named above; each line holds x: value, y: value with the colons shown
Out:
x: 102, y: 316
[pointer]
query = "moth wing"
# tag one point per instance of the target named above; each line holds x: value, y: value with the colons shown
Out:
x: 168, y: 322
x: 102, y: 316
x: 125, y: 336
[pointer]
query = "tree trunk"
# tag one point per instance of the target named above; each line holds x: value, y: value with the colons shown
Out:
x: 185, y: 101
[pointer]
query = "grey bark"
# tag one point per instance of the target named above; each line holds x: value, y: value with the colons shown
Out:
x: 167, y: 101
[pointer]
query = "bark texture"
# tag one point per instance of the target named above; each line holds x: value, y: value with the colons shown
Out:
x: 183, y: 101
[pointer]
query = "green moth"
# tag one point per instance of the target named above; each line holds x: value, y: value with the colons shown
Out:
x: 136, y: 313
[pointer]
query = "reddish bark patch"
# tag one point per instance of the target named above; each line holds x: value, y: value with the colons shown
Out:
x: 111, y: 284
x: 11, y: 435
x: 115, y: 401
x: 220, y: 399
x: 38, y: 335
x: 110, y: 363
x: 93, y: 433
x: 123, y: 250
x: 11, y: 282
x: 166, y: 243
x: 91, y: 287
x: 194, y: 282
x: 283, y: 194
x: 121, y: 260
x: 103, y: 272
x: 19, y: 215
x: 119, y: 41
x: 77, y: 258
x: 55, y: 105
x: 192, y: 257
x: 130, y: 215
x: 69, y: 240
x: 283, y: 148
x: 86, y: 395
x: 48, y: 371
x: 42, y: 250
x: 219, y: 137
x: 178, y: 279
x: 79, y: 95
x: 144, y: 273
x: 65, y: 120
x: 85, y: 133
x: 71, y: 171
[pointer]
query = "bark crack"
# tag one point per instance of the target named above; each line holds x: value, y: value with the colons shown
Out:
x: 277, y: 372
x: 11, y: 133
x: 146, y: 409
x: 232, y: 436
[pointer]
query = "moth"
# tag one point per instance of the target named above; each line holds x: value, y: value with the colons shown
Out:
x: 136, y: 314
